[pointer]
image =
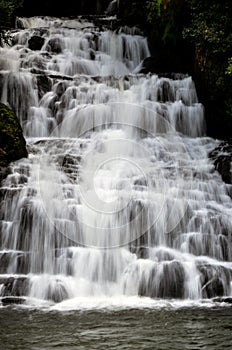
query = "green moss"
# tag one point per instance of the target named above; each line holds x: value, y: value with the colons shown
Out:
x: 12, y: 142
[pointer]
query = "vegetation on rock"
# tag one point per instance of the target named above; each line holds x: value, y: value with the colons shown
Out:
x: 210, y: 31
x: 8, y: 10
x: 12, y: 142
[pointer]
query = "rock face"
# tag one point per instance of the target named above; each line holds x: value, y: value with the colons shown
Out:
x: 222, y: 157
x: 12, y: 142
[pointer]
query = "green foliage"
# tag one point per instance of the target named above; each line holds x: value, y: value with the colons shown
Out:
x: 210, y: 31
x: 210, y: 27
x: 162, y: 20
x: 7, y: 10
x: 153, y: 8
x: 229, y: 67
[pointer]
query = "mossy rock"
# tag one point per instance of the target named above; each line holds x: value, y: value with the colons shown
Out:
x: 12, y: 142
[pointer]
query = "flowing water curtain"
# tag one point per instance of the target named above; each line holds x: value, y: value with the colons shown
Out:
x: 118, y: 196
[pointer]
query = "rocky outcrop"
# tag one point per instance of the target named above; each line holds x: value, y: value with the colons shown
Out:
x: 222, y: 157
x: 12, y: 142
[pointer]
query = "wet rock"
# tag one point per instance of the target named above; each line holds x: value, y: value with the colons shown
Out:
x: 14, y: 287
x: 12, y: 300
x: 60, y: 88
x: 56, y: 292
x: 44, y: 84
x: 35, y: 42
x: 227, y: 300
x: 92, y: 54
x: 166, y: 280
x: 165, y: 93
x: 222, y: 158
x: 215, y: 280
x: 141, y: 252
x: 55, y: 45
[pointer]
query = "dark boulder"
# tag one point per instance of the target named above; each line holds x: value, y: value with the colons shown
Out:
x: 227, y: 300
x: 56, y: 292
x: 13, y: 300
x: 44, y: 84
x: 55, y: 45
x: 215, y: 280
x: 35, y: 42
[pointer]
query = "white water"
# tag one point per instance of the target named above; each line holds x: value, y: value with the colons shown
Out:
x: 117, y: 198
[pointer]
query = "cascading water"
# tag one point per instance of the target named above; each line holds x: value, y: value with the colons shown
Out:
x: 117, y: 199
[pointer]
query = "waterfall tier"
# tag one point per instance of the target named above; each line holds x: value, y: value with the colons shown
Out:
x: 118, y: 197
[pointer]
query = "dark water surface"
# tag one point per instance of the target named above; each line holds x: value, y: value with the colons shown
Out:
x: 162, y: 329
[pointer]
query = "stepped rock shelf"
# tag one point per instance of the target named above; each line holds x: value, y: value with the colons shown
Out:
x: 118, y: 198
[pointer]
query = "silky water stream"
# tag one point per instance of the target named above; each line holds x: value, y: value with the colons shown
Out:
x: 117, y: 205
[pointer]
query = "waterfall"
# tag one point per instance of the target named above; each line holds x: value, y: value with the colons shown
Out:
x: 118, y: 197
